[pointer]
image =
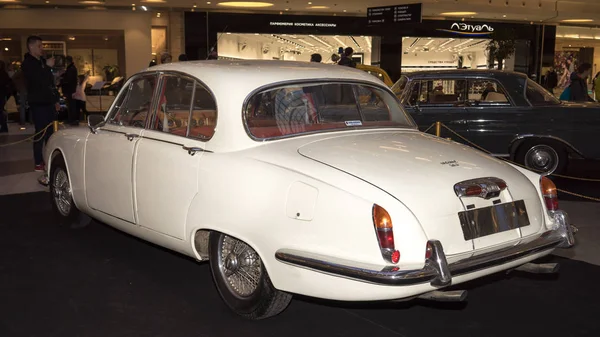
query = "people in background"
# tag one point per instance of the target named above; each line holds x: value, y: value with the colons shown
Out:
x: 41, y: 95
x: 21, y: 88
x: 213, y: 55
x: 346, y: 59
x: 579, y: 87
x: 489, y: 87
x: 6, y: 88
x: 551, y: 80
x: 316, y: 58
x: 152, y: 63
x: 183, y: 58
x: 68, y: 85
x: 335, y: 58
x: 79, y: 97
x: 596, y: 86
x: 166, y: 58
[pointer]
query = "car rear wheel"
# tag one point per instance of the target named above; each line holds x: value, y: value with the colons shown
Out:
x: 544, y: 158
x: 242, y: 279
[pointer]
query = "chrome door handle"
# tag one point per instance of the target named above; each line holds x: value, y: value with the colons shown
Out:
x: 131, y: 136
x: 192, y: 149
x: 460, y: 121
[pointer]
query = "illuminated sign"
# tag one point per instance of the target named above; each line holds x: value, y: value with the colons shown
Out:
x: 301, y: 24
x: 463, y: 28
x: 410, y: 13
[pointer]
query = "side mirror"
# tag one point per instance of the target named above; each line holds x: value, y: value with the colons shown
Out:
x: 95, y: 121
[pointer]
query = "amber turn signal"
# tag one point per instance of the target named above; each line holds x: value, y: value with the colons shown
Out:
x: 549, y: 193
x: 381, y: 218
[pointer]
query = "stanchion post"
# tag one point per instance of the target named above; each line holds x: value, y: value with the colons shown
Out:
x: 55, y: 125
x: 438, y: 128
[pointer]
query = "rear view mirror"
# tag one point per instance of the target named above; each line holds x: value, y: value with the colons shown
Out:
x: 95, y: 121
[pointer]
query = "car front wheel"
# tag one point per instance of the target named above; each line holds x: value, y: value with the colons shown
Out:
x: 62, y: 197
x: 543, y: 158
x: 242, y: 279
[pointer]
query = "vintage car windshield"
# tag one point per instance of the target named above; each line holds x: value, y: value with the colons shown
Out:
x: 538, y: 96
x: 399, y: 86
x: 312, y: 107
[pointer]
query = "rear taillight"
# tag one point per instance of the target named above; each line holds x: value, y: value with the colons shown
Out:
x: 549, y: 193
x: 385, y: 234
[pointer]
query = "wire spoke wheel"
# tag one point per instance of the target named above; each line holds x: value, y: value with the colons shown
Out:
x: 240, y: 266
x: 62, y: 192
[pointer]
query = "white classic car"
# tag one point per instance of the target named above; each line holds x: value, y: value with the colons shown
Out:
x: 300, y: 178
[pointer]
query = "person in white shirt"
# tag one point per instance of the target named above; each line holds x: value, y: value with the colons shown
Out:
x: 80, y: 98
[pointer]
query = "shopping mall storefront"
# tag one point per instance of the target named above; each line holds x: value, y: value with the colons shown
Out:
x: 431, y: 44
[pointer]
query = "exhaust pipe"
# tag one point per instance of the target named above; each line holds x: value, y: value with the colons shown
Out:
x: 542, y: 268
x: 445, y: 296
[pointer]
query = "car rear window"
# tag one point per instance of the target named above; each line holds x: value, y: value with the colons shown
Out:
x: 308, y: 107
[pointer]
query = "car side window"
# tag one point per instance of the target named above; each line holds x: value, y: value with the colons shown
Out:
x: 487, y: 92
x: 439, y: 92
x: 174, y: 105
x: 136, y: 102
x: 204, y: 114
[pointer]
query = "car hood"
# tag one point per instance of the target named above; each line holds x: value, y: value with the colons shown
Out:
x: 420, y: 170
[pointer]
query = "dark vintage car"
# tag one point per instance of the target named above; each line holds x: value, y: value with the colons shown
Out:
x: 505, y: 113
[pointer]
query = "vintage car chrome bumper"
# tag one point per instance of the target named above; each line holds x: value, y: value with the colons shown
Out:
x: 437, y: 271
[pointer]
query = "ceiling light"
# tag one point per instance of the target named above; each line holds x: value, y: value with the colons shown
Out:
x: 91, y: 2
x: 9, y: 0
x: 144, y: 8
x: 578, y: 20
x: 310, y: 3
x: 318, y: 7
x: 246, y: 4
x: 458, y: 13
x: 208, y: 3
x: 6, y: 48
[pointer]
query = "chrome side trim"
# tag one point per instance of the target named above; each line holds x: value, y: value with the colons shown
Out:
x: 436, y: 269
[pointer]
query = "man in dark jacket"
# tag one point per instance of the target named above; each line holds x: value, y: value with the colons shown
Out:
x: 68, y: 85
x: 346, y: 59
x: 579, y: 87
x: 41, y: 95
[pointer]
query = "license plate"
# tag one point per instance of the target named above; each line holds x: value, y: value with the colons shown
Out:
x: 494, y: 219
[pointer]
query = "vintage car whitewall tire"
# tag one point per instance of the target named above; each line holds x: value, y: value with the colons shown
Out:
x: 543, y: 157
x: 60, y: 193
x: 229, y: 257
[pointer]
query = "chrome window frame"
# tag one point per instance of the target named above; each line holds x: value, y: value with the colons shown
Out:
x: 511, y: 102
x: 166, y: 73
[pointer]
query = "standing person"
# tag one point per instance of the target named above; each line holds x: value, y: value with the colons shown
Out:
x: 80, y: 98
x: 579, y: 87
x: 41, y: 95
x: 596, y: 86
x: 346, y: 59
x: 19, y: 81
x: 5, y: 92
x: 68, y: 85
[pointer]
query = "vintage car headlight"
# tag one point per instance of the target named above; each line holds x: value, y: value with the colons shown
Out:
x: 385, y: 234
x: 549, y: 193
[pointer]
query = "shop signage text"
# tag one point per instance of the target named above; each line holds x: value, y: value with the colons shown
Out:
x: 411, y: 13
x: 302, y: 24
x: 463, y: 28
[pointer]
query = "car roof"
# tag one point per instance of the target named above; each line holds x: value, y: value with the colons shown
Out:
x: 253, y: 74
x: 464, y: 72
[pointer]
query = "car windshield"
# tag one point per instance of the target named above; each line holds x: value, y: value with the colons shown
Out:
x: 399, y: 86
x: 312, y: 107
x: 538, y: 96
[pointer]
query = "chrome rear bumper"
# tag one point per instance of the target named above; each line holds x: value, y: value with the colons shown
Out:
x: 437, y: 271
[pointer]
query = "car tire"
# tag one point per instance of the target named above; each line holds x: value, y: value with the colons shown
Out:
x: 62, y: 198
x: 253, y: 300
x: 543, y: 157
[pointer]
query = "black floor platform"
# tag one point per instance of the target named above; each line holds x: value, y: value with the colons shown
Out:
x: 97, y: 282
